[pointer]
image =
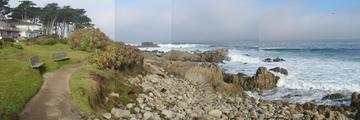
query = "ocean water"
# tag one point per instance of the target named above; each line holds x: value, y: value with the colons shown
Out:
x: 316, y: 68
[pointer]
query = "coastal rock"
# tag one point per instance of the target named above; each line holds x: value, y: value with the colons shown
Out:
x: 167, y: 113
x: 215, y: 113
x: 215, y: 56
x: 175, y: 55
x: 212, y: 56
x: 274, y: 60
x: 148, y: 44
x: 280, y: 70
x: 149, y: 65
x: 355, y: 100
x: 119, y: 113
x: 262, y: 80
x: 107, y: 115
x: 335, y: 96
x: 147, y: 115
x: 357, y: 116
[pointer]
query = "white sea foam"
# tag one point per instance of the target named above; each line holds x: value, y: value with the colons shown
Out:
x: 238, y: 56
x: 311, y: 76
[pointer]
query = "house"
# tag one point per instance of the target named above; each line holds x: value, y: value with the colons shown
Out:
x: 7, y: 30
x: 27, y: 29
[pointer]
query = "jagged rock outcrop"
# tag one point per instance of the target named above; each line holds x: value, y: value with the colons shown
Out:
x: 280, y: 70
x: 175, y: 55
x: 213, y: 56
x: 355, y: 100
x: 262, y: 80
x: 148, y: 44
x: 335, y: 96
x: 274, y: 60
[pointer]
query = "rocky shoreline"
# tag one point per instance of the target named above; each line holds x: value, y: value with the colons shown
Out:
x: 183, y: 85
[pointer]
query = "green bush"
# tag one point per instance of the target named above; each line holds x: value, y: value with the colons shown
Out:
x: 88, y: 40
x: 45, y: 40
x: 117, y: 56
x: 18, y: 46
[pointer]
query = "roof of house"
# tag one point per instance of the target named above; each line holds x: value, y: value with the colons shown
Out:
x: 23, y: 23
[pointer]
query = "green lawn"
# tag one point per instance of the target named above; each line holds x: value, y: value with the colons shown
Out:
x: 19, y: 82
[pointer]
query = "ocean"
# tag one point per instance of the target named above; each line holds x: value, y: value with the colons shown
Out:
x: 316, y: 68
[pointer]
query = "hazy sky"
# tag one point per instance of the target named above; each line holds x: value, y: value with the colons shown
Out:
x: 236, y: 20
x: 221, y: 20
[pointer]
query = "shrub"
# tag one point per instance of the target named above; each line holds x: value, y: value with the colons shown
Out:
x: 10, y: 40
x: 88, y: 40
x: 1, y: 44
x: 18, y: 46
x: 44, y: 40
x: 117, y: 56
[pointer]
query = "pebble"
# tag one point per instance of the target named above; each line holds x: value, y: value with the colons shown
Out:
x: 107, y: 115
x: 215, y: 113
x: 168, y: 114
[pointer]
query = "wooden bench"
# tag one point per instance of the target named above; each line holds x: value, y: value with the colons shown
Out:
x: 60, y: 56
x: 35, y: 62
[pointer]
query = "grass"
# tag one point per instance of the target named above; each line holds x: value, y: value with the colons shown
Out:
x: 19, y: 82
x: 81, y: 86
x: 85, y: 89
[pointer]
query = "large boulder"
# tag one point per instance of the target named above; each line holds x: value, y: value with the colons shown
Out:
x: 274, y: 60
x: 175, y: 55
x: 335, y: 96
x: 216, y: 56
x: 262, y: 80
x: 280, y: 70
x: 148, y: 44
x: 213, y: 56
x: 355, y: 100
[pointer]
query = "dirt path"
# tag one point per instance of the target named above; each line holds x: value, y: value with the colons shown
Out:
x: 53, y: 101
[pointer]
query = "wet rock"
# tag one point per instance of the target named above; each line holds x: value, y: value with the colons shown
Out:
x: 107, y: 115
x: 357, y: 116
x: 274, y: 60
x: 175, y: 55
x: 262, y: 80
x: 119, y: 113
x: 215, y: 56
x: 355, y: 100
x: 148, y: 44
x: 215, y: 113
x: 335, y: 96
x: 280, y: 70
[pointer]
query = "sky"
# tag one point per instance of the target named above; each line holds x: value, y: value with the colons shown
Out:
x: 221, y: 20
x: 236, y: 20
x: 101, y: 12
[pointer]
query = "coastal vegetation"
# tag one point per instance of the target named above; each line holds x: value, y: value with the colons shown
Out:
x: 18, y: 81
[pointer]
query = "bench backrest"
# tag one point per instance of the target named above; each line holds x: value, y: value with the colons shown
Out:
x: 34, y: 60
x: 59, y: 55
